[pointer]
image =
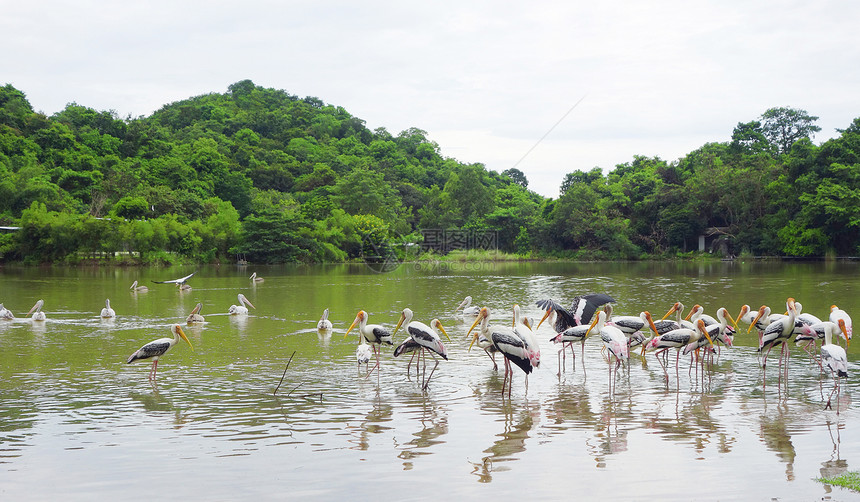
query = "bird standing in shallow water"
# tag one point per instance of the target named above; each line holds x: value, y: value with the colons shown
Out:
x: 426, y: 337
x: 373, y: 333
x: 158, y: 348
x: 834, y: 358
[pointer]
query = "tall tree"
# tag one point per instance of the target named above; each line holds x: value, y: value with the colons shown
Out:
x: 783, y: 126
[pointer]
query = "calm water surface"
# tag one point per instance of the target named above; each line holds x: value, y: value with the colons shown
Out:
x: 77, y: 423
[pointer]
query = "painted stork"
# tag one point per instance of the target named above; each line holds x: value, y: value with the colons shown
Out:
x: 425, y: 336
x: 134, y: 287
x: 36, y: 310
x: 577, y: 334
x: 835, y: 358
x: 509, y: 343
x: 581, y: 311
x: 482, y: 336
x: 6, y: 314
x: 195, y: 316
x: 372, y: 333
x: 240, y: 309
x: 158, y: 348
x: 677, y: 338
x: 469, y: 310
x: 698, y: 312
x: 615, y: 343
x: 107, y: 312
x: 777, y: 333
x: 843, y: 320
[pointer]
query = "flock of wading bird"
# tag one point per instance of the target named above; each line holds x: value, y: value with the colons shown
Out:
x: 588, y: 315
x: 697, y: 335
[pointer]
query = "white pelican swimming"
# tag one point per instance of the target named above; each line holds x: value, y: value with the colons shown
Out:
x: 254, y: 278
x: 107, y: 312
x: 5, y: 313
x: 324, y: 325
x: 240, y: 309
x: 195, y: 316
x: 468, y: 308
x: 38, y: 315
x: 425, y: 336
x: 135, y: 287
x: 158, y: 348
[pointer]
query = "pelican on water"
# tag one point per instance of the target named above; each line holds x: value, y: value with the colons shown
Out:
x: 107, y: 312
x: 324, y: 324
x: 254, y: 278
x: 240, y: 309
x: 425, y: 336
x: 6, y: 313
x: 158, y: 348
x: 468, y: 308
x: 38, y: 315
x: 195, y: 316
x: 135, y: 287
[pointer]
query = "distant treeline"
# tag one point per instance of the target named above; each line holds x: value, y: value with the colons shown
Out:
x: 272, y: 177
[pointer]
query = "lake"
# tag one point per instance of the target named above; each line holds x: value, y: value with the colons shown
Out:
x: 78, y: 423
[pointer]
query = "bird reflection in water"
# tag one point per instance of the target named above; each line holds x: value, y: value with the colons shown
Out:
x: 512, y: 440
x: 372, y: 424
x: 240, y: 322
x: 434, y: 424
x: 774, y: 433
x: 835, y: 465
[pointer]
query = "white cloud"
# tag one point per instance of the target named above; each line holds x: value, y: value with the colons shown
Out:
x: 485, y: 79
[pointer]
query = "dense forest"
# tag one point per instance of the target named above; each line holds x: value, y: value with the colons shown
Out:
x: 270, y: 177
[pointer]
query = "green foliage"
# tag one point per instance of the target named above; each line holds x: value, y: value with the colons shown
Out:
x: 850, y: 480
x: 280, y: 178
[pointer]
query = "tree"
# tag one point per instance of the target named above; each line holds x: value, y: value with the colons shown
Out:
x: 783, y: 126
x: 516, y: 176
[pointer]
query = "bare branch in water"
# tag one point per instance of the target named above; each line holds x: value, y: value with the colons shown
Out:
x: 285, y: 374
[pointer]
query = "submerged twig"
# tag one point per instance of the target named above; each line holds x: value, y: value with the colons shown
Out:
x: 285, y: 374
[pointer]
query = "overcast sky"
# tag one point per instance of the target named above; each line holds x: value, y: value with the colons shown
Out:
x: 486, y: 80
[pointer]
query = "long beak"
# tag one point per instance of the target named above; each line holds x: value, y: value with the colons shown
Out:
x: 743, y: 312
x: 439, y: 325
x: 844, y: 332
x: 548, y: 312
x: 705, y: 332
x: 479, y: 318
x: 651, y: 323
x: 592, y: 325
x: 691, y: 312
x: 670, y: 312
x: 733, y: 321
x: 760, y: 313
x: 351, y: 326
x: 474, y: 337
x: 399, y: 323
x: 182, y: 334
